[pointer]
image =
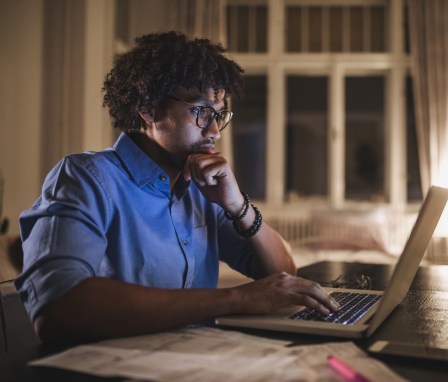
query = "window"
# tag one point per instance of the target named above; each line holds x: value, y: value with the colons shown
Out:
x: 324, y: 113
x: 306, y: 137
x: 414, y: 191
x: 249, y: 137
x: 364, y: 138
x: 247, y: 28
x: 335, y: 28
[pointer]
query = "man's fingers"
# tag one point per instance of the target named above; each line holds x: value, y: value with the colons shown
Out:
x: 282, y: 290
x: 315, y: 296
x: 312, y: 304
x: 204, y: 169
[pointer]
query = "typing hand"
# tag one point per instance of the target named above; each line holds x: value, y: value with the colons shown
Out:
x: 281, y: 290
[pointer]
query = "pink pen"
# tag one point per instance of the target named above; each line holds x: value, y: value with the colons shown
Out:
x: 345, y: 370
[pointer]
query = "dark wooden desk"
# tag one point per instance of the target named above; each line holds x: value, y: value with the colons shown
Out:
x: 421, y: 319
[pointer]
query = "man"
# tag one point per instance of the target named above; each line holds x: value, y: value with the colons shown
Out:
x: 127, y: 241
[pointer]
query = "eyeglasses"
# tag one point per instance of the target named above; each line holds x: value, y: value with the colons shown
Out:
x: 206, y: 114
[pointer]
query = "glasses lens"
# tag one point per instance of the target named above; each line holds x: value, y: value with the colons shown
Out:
x: 205, y: 116
x: 223, y: 118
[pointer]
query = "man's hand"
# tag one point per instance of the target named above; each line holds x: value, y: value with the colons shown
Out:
x: 213, y: 175
x: 281, y: 290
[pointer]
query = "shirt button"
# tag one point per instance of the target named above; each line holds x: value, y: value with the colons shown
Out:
x: 162, y: 177
x: 185, y: 242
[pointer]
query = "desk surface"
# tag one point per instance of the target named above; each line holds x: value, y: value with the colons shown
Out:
x: 420, y: 320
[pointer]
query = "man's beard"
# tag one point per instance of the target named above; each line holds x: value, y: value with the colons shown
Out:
x: 204, y: 146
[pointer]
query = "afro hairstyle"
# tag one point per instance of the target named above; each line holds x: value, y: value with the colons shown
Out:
x: 160, y: 63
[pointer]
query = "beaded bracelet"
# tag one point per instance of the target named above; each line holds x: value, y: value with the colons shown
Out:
x: 245, y: 209
x: 253, y: 229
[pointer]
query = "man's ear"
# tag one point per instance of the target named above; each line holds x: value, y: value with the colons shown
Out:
x: 147, y: 117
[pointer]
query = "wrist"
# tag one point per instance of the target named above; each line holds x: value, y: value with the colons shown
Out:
x: 238, y: 210
x: 234, y: 300
x: 239, y: 225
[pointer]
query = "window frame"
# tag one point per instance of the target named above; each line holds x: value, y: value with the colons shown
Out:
x: 277, y: 64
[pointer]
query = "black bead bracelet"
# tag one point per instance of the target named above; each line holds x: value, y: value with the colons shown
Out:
x: 253, y: 229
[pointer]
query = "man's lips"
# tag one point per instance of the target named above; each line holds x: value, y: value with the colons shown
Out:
x: 208, y: 147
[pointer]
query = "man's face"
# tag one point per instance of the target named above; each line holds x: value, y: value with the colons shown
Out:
x: 176, y: 130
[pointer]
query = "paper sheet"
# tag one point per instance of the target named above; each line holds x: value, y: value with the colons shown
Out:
x: 209, y: 354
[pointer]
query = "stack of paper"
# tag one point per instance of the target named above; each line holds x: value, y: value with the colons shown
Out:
x: 209, y: 354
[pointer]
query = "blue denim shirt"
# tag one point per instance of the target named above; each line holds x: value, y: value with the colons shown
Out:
x: 111, y: 214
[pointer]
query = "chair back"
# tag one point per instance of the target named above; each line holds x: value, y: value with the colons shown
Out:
x: 17, y: 334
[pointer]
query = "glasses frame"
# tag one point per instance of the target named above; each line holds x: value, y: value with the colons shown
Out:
x: 198, y: 109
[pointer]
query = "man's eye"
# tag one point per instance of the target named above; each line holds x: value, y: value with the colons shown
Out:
x: 203, y: 111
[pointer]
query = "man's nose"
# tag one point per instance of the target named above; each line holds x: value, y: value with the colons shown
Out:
x: 212, y: 131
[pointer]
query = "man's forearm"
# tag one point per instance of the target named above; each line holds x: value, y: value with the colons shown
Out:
x: 104, y: 308
x: 273, y: 253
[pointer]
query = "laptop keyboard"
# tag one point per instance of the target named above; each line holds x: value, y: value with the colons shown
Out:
x: 353, y: 306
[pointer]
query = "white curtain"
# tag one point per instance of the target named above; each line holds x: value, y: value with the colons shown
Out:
x: 428, y: 27
x: 198, y: 18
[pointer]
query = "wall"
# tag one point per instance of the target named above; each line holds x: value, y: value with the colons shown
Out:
x: 55, y: 55
x: 21, y: 29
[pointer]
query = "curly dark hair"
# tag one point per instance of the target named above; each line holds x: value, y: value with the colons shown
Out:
x: 157, y: 65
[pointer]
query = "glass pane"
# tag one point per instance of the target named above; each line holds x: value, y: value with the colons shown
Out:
x: 375, y: 15
x: 242, y: 19
x: 335, y: 29
x: 293, y: 29
x: 377, y: 29
x: 262, y: 29
x: 247, y: 28
x: 232, y: 29
x: 249, y: 137
x: 406, y: 42
x: 356, y: 29
x: 306, y: 137
x: 238, y: 31
x: 364, y: 138
x: 414, y: 189
x: 315, y: 29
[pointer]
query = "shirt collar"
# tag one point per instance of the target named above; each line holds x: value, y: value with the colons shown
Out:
x: 141, y: 167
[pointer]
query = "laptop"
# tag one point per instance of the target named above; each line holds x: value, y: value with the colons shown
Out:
x: 361, y: 321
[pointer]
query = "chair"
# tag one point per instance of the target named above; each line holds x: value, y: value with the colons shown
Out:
x: 17, y: 335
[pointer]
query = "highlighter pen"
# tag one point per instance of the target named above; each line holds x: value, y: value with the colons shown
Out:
x: 345, y: 370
